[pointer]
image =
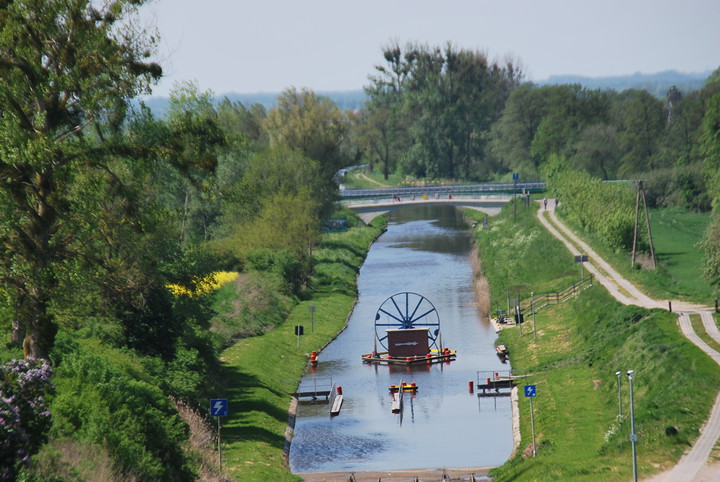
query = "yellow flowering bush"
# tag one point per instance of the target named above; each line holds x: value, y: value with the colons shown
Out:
x: 205, y: 285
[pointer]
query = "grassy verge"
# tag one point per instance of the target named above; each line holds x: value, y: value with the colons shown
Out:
x: 519, y: 256
x: 580, y: 345
x: 679, y: 273
x: 259, y: 372
x: 699, y: 329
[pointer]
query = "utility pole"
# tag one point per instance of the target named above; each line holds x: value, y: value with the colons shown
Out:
x: 641, y: 193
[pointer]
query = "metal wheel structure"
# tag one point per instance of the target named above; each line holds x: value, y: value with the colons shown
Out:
x: 407, y: 310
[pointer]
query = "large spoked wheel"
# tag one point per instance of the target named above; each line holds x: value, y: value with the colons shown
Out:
x: 407, y: 310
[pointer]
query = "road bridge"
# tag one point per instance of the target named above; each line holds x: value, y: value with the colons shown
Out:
x: 369, y: 208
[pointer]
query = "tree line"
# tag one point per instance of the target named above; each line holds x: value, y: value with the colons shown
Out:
x: 103, y: 204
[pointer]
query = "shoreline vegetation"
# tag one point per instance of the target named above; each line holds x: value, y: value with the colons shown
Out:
x: 259, y: 372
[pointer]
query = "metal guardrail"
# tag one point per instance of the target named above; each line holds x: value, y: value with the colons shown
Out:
x: 534, y: 186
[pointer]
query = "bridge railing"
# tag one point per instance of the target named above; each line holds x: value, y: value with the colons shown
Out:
x: 414, y: 198
x: 506, y: 188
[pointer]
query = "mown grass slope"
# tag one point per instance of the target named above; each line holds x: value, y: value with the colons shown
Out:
x: 579, y: 347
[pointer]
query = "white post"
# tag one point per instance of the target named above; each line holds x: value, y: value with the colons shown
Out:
x: 219, y: 446
x: 633, y: 435
x: 532, y: 424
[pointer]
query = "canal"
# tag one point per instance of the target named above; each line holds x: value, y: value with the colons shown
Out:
x: 426, y: 250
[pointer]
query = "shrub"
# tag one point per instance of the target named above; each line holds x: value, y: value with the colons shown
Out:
x: 24, y: 416
x: 106, y: 397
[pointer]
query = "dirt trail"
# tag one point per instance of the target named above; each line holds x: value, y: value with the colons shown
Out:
x: 372, y: 181
x: 693, y: 466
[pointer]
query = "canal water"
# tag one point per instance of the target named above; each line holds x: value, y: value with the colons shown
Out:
x: 426, y: 250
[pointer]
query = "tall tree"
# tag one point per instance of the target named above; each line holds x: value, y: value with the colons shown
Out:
x: 311, y: 124
x: 435, y: 106
x: 67, y: 69
x: 640, y: 120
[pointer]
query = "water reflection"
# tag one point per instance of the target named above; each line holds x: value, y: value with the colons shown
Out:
x: 425, y: 251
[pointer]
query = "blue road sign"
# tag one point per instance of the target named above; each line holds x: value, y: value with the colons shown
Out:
x: 516, y: 176
x: 219, y: 407
x: 530, y: 391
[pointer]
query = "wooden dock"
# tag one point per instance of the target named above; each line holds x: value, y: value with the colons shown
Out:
x: 314, y: 390
x: 496, y: 382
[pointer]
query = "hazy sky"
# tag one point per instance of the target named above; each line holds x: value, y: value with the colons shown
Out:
x: 330, y: 45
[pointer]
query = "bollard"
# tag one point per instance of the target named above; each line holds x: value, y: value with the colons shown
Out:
x: 471, y: 386
x: 339, y: 389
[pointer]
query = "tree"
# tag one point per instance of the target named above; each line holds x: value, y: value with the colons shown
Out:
x: 596, y: 151
x: 67, y: 70
x: 513, y: 133
x: 640, y: 121
x: 311, y: 124
x: 431, y: 109
x: 276, y: 209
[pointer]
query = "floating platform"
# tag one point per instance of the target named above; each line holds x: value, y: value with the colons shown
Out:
x: 337, y: 403
x: 434, y: 356
x: 497, y: 382
x: 397, y: 402
x: 406, y: 387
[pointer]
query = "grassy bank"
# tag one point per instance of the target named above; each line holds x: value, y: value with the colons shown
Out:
x: 679, y: 273
x: 259, y: 372
x: 580, y: 345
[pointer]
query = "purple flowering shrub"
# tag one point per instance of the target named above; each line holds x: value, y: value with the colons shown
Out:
x: 24, y: 415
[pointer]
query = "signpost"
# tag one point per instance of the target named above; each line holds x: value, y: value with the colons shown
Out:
x: 219, y: 408
x: 516, y: 176
x: 581, y: 259
x: 531, y: 392
x: 299, y: 331
x: 532, y: 307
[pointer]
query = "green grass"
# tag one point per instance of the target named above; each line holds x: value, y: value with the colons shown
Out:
x: 515, y: 241
x: 357, y: 180
x: 579, y: 347
x: 699, y: 329
x: 679, y: 273
x: 260, y: 372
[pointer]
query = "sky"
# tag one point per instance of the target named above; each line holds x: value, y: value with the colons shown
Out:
x: 235, y: 46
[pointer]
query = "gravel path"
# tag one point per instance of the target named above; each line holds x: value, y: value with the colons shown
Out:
x: 693, y: 466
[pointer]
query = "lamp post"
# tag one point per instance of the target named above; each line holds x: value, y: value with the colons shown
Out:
x: 619, y: 375
x: 633, y: 435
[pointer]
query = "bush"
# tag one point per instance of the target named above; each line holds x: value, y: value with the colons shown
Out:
x: 106, y: 397
x: 24, y: 416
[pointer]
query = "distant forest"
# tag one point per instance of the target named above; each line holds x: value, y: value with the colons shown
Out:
x: 656, y: 84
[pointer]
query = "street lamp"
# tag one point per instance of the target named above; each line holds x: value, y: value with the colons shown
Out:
x: 633, y: 435
x: 619, y: 375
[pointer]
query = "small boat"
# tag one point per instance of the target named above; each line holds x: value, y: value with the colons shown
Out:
x: 502, y: 350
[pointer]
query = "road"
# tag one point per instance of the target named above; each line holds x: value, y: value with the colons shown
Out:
x: 693, y: 466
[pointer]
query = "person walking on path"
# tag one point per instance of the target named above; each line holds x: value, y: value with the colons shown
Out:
x: 545, y: 202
